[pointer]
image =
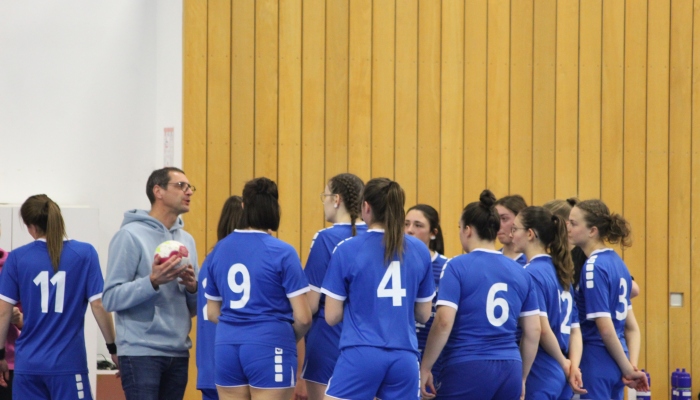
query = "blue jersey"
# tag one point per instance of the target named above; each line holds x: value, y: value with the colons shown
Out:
x: 206, y: 333
x: 554, y: 302
x: 490, y: 293
x: 54, y: 303
x: 380, y: 298
x: 604, y: 291
x: 422, y: 331
x: 254, y: 275
x: 520, y: 259
x: 322, y: 247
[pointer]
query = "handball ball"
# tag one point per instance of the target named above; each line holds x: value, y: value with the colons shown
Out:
x: 172, y: 248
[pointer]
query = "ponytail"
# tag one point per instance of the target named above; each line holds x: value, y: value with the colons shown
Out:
x: 613, y: 228
x: 552, y: 232
x: 387, y: 198
x: 45, y: 215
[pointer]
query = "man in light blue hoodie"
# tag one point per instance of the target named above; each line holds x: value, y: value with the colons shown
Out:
x: 153, y: 302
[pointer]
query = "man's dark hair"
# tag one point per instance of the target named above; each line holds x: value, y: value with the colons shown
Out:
x: 159, y: 177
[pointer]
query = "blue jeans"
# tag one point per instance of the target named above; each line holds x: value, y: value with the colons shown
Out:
x: 153, y: 377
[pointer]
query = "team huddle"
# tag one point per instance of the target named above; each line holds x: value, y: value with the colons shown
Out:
x: 547, y: 314
x: 521, y: 321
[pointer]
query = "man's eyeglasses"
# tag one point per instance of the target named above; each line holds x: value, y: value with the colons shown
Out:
x: 184, y: 186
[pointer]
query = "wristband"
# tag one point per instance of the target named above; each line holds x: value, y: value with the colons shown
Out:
x: 111, y: 347
x: 2, y: 354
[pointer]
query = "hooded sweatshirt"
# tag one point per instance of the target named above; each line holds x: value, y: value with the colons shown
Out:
x: 13, y: 332
x: 149, y: 322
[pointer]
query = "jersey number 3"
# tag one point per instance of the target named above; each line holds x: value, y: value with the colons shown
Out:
x: 396, y: 292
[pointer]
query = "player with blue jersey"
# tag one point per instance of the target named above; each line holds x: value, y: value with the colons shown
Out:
x: 378, y: 284
x: 206, y: 330
x: 508, y: 208
x: 54, y: 279
x: 543, y: 237
x: 423, y: 223
x: 483, y: 297
x: 611, y: 337
x: 341, y: 207
x: 256, y: 294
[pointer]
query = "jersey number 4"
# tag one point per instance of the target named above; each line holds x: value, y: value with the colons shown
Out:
x: 396, y: 292
x: 59, y: 280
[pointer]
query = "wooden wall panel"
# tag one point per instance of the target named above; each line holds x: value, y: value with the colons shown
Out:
x: 242, y: 94
x: 337, y: 37
x: 567, y: 89
x: 289, y: 122
x: 360, y: 102
x: 475, y: 71
x: 543, y: 100
x: 312, y: 121
x: 657, y: 333
x: 429, y: 16
x: 218, y: 113
x: 520, y: 157
x: 497, y: 103
x: 589, y: 98
x: 383, y: 87
x: 635, y: 144
x: 452, y: 121
x: 546, y: 98
x: 407, y: 98
x: 679, y: 184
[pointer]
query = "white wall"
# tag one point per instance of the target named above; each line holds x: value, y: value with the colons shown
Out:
x: 86, y: 89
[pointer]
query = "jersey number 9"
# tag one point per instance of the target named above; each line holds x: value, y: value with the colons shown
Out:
x: 243, y: 287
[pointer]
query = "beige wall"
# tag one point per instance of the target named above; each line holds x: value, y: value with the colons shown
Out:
x: 544, y: 98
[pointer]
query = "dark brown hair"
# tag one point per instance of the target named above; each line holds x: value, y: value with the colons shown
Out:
x: 39, y: 210
x: 349, y: 188
x: 159, y: 177
x: 431, y: 214
x: 550, y: 229
x: 514, y: 203
x: 261, y: 209
x: 387, y: 198
x: 230, y: 217
x: 482, y: 216
x: 612, y: 228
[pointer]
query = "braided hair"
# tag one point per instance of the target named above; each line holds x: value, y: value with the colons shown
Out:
x: 349, y: 188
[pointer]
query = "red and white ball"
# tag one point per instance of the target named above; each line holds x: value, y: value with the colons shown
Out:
x: 173, y: 248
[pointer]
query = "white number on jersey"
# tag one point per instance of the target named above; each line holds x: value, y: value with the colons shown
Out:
x: 492, y: 302
x: 244, y: 287
x: 565, y: 297
x: 621, y: 316
x: 204, y: 309
x: 396, y: 292
x: 58, y: 280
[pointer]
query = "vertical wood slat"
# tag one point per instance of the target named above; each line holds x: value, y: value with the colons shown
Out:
x: 498, y: 107
x: 657, y: 335
x: 383, y: 86
x: 475, y: 72
x: 218, y: 113
x: 589, y: 120
x: 566, y: 116
x: 194, y: 143
x: 428, y: 185
x: 360, y: 82
x: 312, y: 120
x: 543, y: 100
x: 521, y: 50
x: 242, y: 94
x: 289, y: 122
x: 337, y: 38
x: 452, y: 121
x: 612, y: 93
x: 635, y: 157
x: 695, y: 201
x: 407, y: 98
x: 679, y: 184
x: 266, y: 87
